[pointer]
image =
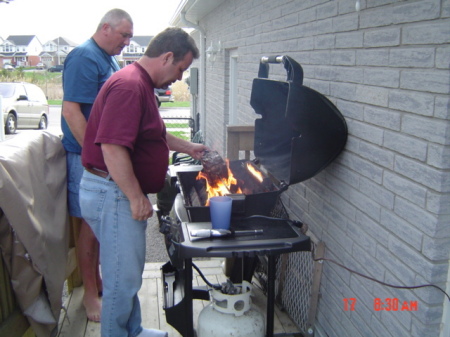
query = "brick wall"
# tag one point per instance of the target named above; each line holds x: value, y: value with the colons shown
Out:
x: 383, y: 207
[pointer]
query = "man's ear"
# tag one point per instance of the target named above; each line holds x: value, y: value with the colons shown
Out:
x: 105, y: 28
x: 167, y: 57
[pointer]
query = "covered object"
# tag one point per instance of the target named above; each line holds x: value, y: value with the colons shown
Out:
x: 34, y: 227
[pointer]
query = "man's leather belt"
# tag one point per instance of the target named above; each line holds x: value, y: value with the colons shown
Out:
x: 99, y: 173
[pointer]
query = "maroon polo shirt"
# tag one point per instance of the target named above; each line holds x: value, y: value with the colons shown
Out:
x: 125, y: 113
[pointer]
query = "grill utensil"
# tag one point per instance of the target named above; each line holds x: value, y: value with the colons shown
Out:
x: 208, y: 233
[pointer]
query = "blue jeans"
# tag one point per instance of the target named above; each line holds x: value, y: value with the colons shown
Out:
x: 122, y: 253
x: 74, y: 172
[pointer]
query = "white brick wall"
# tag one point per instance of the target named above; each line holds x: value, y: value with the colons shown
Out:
x: 383, y: 207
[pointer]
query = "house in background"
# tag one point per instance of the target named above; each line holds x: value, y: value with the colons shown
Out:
x: 55, y: 51
x: 21, y: 50
x: 135, y: 50
x: 382, y: 208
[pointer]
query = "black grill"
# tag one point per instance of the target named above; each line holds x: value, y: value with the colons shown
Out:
x: 299, y: 132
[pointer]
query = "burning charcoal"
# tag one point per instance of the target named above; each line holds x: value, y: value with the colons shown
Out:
x: 214, y: 166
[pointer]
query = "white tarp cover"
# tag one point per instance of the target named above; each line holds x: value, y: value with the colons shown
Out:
x: 34, y: 225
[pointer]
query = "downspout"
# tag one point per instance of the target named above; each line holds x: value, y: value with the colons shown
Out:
x: 202, y: 71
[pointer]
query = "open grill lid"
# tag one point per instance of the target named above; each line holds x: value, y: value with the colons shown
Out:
x: 300, y: 131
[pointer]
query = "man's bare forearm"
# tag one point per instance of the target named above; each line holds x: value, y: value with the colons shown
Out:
x: 75, y: 119
x: 180, y: 145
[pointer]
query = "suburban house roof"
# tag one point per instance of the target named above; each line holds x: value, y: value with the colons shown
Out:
x: 21, y: 40
x: 62, y: 41
x: 142, y: 40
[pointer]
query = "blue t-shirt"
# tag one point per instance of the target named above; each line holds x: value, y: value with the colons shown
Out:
x: 86, y: 69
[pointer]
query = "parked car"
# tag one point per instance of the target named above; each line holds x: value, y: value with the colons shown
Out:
x: 24, y: 105
x: 164, y: 95
x: 8, y: 67
x: 56, y: 69
x: 40, y: 65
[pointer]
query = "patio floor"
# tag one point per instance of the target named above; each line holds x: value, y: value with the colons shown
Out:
x: 73, y: 321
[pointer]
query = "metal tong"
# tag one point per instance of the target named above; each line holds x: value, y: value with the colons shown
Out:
x: 170, y: 280
x: 208, y: 233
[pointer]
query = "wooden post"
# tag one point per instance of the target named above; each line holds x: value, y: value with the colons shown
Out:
x: 240, y: 138
x: 73, y: 271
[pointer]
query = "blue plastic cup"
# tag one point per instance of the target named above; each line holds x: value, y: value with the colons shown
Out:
x: 220, y: 208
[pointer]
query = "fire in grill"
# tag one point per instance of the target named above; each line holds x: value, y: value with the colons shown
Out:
x: 217, y: 179
x: 252, y: 193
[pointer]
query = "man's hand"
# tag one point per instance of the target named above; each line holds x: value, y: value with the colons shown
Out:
x: 197, y: 150
x: 141, y: 208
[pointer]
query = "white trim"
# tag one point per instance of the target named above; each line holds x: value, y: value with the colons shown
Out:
x: 233, y: 87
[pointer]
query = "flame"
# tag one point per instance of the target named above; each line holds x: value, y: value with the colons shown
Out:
x: 257, y: 174
x: 220, y: 187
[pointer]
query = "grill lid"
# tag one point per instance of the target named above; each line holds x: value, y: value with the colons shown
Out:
x: 300, y: 131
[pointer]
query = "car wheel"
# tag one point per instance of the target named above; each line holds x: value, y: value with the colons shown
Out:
x: 158, y: 102
x: 10, y: 124
x: 43, y: 123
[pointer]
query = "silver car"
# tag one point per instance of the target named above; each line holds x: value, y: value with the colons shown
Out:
x: 24, y: 105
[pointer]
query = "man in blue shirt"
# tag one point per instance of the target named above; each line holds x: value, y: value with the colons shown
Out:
x: 86, y: 69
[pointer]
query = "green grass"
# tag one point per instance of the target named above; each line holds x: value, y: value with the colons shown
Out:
x: 177, y: 125
x: 175, y: 104
x: 179, y: 134
x: 39, y: 78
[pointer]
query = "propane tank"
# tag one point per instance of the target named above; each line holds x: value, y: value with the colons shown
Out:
x: 231, y: 315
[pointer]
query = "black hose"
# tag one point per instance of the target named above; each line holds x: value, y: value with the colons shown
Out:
x: 214, y: 286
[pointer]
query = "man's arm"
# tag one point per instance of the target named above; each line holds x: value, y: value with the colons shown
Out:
x: 180, y: 145
x: 75, y: 119
x: 118, y: 162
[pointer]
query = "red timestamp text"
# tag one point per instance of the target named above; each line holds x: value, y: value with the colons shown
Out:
x: 394, y: 304
x: 349, y: 304
x: 386, y: 304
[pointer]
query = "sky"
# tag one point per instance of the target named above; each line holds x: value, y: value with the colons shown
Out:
x: 77, y: 20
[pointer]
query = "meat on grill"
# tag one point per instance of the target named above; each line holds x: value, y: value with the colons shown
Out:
x: 214, y: 166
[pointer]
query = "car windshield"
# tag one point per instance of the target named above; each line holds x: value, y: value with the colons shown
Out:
x: 6, y: 90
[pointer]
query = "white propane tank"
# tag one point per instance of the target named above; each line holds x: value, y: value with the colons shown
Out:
x: 231, y: 315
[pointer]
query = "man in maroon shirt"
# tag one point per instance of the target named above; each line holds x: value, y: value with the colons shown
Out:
x: 125, y: 155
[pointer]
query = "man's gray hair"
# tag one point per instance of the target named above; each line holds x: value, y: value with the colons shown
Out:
x: 114, y: 17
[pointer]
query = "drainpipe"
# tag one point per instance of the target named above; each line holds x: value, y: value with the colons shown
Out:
x: 202, y: 72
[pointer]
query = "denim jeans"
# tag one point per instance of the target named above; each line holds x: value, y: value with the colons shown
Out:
x: 74, y: 173
x: 122, y: 253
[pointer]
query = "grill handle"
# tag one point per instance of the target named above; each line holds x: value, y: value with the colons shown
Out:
x: 293, y: 69
x: 272, y: 59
